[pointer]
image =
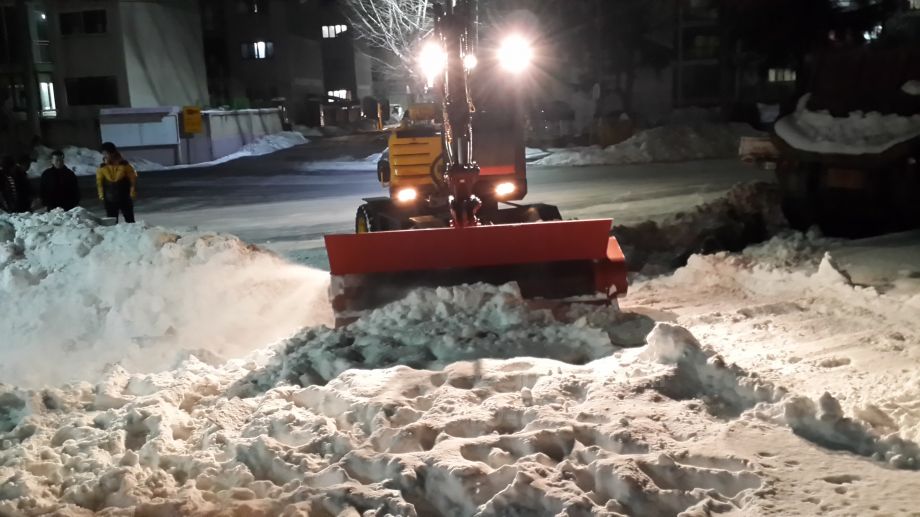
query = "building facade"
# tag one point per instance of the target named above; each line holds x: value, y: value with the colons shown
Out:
x: 61, y: 61
x: 120, y: 53
x: 299, y: 55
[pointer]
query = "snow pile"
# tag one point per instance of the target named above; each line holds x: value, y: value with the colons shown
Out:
x: 670, y: 143
x: 268, y: 144
x: 859, y: 133
x: 309, y: 132
x: 749, y: 213
x: 911, y: 88
x: 487, y: 438
x: 84, y: 162
x: 348, y: 422
x: 346, y: 163
x: 85, y: 295
x: 432, y: 328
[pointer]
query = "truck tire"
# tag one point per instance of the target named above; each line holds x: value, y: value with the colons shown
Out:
x: 798, y: 183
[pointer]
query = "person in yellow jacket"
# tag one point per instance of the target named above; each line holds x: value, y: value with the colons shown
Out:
x: 116, y: 181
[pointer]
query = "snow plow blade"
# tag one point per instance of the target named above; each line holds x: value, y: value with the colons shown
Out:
x: 554, y: 260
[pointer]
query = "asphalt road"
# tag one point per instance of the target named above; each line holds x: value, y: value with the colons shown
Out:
x: 287, y: 200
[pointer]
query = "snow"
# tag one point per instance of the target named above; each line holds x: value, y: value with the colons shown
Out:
x: 84, y: 162
x: 669, y: 143
x: 778, y: 380
x: 89, y: 294
x: 748, y: 213
x: 309, y: 132
x: 858, y: 133
x: 667, y: 428
x: 911, y: 87
x: 346, y: 163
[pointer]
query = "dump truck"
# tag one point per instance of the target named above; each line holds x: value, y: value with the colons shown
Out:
x: 848, y: 155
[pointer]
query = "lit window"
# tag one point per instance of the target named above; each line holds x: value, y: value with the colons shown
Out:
x: 258, y: 50
x: 253, y: 6
x: 915, y: 4
x: 781, y: 75
x: 46, y: 91
x: 331, y: 31
x: 338, y: 94
x: 873, y: 34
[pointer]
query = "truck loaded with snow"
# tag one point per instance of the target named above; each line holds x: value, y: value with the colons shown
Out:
x: 848, y: 153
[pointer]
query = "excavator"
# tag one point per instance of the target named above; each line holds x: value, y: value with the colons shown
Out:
x: 455, y: 174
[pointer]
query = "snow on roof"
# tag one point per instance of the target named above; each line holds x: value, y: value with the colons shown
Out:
x: 858, y: 133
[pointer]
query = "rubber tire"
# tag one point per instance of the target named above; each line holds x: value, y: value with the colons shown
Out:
x: 364, y: 220
x: 548, y: 212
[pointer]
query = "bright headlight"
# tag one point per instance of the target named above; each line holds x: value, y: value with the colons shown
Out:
x: 505, y: 189
x: 432, y: 60
x: 515, y: 54
x: 470, y: 61
x: 406, y: 195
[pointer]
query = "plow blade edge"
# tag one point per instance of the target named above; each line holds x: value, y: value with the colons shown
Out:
x: 554, y: 260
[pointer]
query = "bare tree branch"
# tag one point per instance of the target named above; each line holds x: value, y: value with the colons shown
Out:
x: 395, y: 26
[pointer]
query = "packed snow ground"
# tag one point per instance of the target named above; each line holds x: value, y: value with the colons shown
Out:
x: 84, y: 162
x: 668, y: 143
x: 778, y: 381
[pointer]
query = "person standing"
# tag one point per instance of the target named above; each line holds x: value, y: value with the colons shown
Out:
x: 59, y: 188
x: 9, y: 197
x: 17, y: 189
x: 116, y: 183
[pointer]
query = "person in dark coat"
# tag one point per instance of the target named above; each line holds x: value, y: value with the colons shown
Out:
x: 15, y: 187
x: 9, y: 198
x: 116, y: 183
x: 59, y: 188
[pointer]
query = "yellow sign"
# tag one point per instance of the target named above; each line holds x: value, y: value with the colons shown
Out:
x: 191, y: 120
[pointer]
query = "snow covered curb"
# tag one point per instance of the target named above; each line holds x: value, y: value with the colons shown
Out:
x: 84, y: 162
x: 859, y: 133
x: 671, y: 143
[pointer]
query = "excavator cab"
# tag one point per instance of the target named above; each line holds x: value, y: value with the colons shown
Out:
x: 412, y: 171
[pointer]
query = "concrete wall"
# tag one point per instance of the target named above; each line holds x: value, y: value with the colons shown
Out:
x: 228, y: 131
x: 164, y: 53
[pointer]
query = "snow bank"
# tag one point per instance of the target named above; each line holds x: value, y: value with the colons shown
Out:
x: 859, y: 133
x: 670, y: 143
x: 749, y: 213
x: 432, y: 328
x: 346, y: 163
x: 309, y: 132
x: 911, y: 88
x: 76, y: 295
x: 84, y: 162
x: 485, y: 438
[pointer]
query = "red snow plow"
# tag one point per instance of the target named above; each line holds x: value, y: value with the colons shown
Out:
x: 442, y: 224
